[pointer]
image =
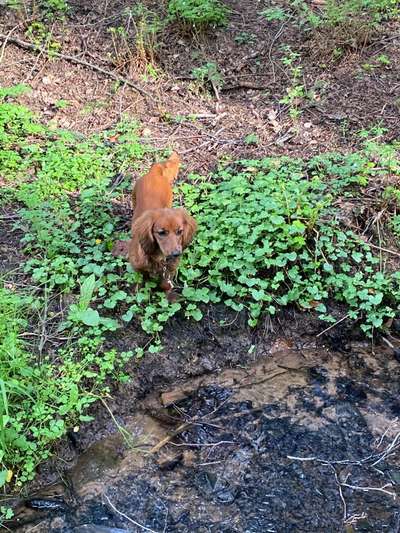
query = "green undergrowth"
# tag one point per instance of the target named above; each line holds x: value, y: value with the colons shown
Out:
x: 270, y: 235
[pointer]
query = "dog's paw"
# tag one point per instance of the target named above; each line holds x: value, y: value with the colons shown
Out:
x: 173, y: 297
x: 166, y: 285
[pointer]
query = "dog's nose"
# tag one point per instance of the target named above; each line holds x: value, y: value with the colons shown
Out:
x: 174, y: 254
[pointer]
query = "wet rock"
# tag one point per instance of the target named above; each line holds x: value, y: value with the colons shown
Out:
x: 394, y: 476
x: 318, y: 375
x: 365, y: 526
x: 396, y: 325
x: 43, y: 504
x: 216, y: 488
x: 350, y: 390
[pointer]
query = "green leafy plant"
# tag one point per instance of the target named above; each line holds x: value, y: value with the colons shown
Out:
x: 208, y: 74
x: 296, y: 92
x: 251, y: 138
x: 198, y: 14
x: 143, y: 26
x: 269, y: 238
x: 274, y: 13
x: 245, y: 37
x: 344, y: 24
x: 38, y: 33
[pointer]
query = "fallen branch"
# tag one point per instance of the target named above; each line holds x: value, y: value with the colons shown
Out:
x: 166, y: 440
x: 73, y: 59
x: 369, y: 489
x: 397, y: 254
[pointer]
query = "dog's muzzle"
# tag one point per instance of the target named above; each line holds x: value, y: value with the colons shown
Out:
x: 173, y: 256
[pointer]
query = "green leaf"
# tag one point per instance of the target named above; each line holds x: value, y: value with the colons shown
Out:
x: 3, y: 477
x: 90, y: 317
x: 87, y: 289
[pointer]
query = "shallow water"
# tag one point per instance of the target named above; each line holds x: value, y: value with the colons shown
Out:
x: 299, y: 441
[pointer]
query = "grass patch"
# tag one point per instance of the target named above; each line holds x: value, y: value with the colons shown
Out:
x: 198, y: 14
x: 270, y: 235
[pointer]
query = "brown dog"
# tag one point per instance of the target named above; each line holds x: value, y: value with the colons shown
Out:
x: 159, y: 233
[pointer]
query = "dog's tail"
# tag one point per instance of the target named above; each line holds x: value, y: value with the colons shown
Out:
x: 171, y: 167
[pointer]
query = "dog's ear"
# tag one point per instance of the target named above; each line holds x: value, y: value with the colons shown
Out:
x: 170, y: 167
x: 189, y: 227
x: 142, y: 228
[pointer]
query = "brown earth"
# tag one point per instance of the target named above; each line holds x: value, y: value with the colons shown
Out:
x: 345, y: 95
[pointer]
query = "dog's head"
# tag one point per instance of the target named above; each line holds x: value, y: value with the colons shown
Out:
x: 168, y: 231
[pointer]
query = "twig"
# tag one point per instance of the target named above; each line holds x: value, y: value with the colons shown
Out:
x: 333, y: 325
x: 369, y: 489
x: 393, y: 445
x: 386, y: 432
x: 126, y: 516
x: 387, y: 342
x: 397, y: 254
x: 244, y: 85
x: 168, y: 438
x: 206, y: 444
x: 7, y: 37
x: 278, y: 34
x: 123, y: 432
x: 76, y: 60
x: 340, y: 493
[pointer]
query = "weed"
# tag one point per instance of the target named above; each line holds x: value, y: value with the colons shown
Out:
x: 252, y: 138
x: 61, y: 104
x: 198, y: 14
x: 38, y: 33
x: 244, y: 37
x: 146, y: 30
x: 296, y: 92
x: 208, y: 74
x: 53, y: 9
x: 384, y: 60
x: 40, y: 10
x: 274, y: 13
x: 344, y: 24
x: 123, y: 54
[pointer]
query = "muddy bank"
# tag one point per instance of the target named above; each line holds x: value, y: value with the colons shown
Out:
x: 302, y: 440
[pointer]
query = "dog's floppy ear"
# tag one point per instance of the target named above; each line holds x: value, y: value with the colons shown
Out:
x: 142, y: 228
x: 189, y: 227
x: 170, y: 168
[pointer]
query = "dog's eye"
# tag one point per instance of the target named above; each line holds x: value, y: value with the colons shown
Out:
x: 162, y: 232
x: 179, y: 231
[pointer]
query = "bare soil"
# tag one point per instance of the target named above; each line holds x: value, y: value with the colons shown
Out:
x: 352, y: 92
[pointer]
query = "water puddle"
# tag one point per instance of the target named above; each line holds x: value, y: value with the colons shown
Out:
x: 300, y: 441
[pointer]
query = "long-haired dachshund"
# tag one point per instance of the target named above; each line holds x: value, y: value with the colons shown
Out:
x: 159, y: 233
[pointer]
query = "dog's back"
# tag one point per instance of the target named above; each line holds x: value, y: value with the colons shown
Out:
x: 154, y: 190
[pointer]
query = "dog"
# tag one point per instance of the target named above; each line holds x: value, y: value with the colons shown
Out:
x: 159, y: 233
